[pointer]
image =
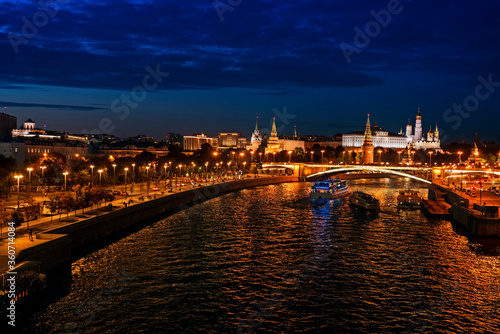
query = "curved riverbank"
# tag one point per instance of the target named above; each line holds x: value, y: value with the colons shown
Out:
x: 63, y: 239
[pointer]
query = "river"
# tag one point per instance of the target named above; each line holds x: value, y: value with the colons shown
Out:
x: 271, y: 260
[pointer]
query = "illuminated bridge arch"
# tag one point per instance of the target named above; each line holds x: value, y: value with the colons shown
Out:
x: 368, y: 168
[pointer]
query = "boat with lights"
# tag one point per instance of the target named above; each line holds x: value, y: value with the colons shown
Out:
x: 364, y: 200
x: 329, y: 189
x: 409, y: 199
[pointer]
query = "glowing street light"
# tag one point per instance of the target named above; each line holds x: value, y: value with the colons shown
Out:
x: 380, y: 155
x: 92, y: 176
x: 165, y: 166
x: 133, y: 172
x: 43, y: 169
x: 290, y: 156
x: 65, y: 174
x: 100, y: 176
x: 460, y: 156
x: 18, y: 177
x: 147, y: 180
x: 322, y: 151
x: 251, y: 154
x: 312, y: 152
x: 29, y: 179
x: 126, y: 170
x: 114, y: 176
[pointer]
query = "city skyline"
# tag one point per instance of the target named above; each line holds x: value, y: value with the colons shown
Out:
x: 80, y: 69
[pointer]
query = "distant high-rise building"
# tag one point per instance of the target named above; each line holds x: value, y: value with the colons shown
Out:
x: 7, y: 124
x: 174, y: 139
x: 193, y: 143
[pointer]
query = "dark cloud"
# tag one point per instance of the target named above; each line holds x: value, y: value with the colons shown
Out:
x: 52, y: 106
x: 274, y: 49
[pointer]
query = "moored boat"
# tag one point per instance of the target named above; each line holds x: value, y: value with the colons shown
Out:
x: 329, y: 189
x: 409, y: 199
x: 364, y: 200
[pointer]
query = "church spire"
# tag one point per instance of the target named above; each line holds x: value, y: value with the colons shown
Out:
x: 257, y: 124
x: 368, y: 130
x: 274, y: 133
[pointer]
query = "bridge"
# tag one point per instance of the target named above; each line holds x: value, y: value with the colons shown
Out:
x: 311, y: 172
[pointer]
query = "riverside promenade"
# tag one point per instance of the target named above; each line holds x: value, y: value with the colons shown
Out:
x: 54, y: 237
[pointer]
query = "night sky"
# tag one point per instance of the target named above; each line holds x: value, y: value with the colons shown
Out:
x: 102, y: 66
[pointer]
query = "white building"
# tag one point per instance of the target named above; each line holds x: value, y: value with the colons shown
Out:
x: 380, y: 137
x: 418, y: 139
x: 384, y: 139
x: 256, y: 139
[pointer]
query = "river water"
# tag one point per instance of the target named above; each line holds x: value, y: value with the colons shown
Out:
x: 271, y: 260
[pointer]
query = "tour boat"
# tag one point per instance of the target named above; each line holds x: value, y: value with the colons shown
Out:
x: 409, y: 199
x: 329, y: 189
x: 28, y: 282
x: 365, y: 201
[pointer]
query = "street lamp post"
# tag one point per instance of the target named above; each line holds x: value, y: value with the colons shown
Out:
x: 312, y: 155
x: 244, y: 166
x: 147, y: 180
x: 43, y: 169
x: 29, y: 180
x: 322, y: 151
x: 290, y: 156
x: 274, y: 156
x: 133, y: 172
x: 100, y: 176
x: 228, y: 164
x: 251, y: 154
x: 18, y: 177
x: 349, y: 156
x: 380, y: 155
x: 165, y: 166
x: 399, y: 157
x: 460, y: 156
x: 206, y: 171
x: 92, y: 176
x: 65, y: 174
x: 170, y: 172
x: 114, y: 176
x: 126, y: 170
x: 430, y: 158
x: 260, y: 157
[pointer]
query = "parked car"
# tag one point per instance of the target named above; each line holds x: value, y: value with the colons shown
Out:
x: 124, y: 193
x: 155, y: 188
x: 472, y: 194
x: 116, y: 192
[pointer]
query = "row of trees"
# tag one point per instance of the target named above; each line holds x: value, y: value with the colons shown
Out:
x: 79, y: 198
